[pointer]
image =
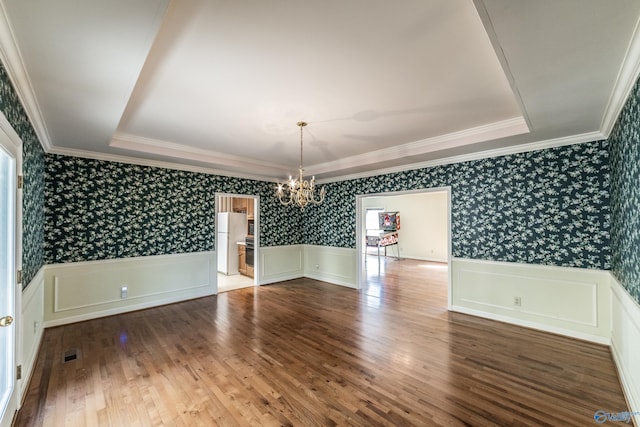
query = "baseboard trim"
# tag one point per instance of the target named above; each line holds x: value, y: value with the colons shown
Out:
x: 129, y: 308
x: 521, y: 294
x: 331, y: 264
x: 76, y: 292
x: 533, y: 325
x: 283, y: 278
x: 333, y: 281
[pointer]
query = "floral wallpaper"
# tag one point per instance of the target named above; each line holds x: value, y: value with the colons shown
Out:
x: 33, y: 172
x: 545, y: 207
x: 624, y: 150
x: 100, y: 210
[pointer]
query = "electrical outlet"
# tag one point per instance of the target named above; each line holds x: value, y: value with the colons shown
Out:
x: 123, y: 292
x: 317, y: 266
x: 517, y: 301
x: 35, y: 327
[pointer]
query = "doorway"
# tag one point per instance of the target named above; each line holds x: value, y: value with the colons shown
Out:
x: 237, y: 238
x: 9, y: 288
x: 423, y: 231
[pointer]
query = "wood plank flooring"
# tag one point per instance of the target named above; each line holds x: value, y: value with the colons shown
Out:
x: 306, y: 353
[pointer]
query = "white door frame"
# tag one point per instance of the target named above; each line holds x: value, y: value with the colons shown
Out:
x: 359, y: 236
x: 12, y: 144
x: 256, y: 233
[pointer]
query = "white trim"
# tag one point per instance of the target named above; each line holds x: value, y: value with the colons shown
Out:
x: 487, y: 288
x: 90, y: 289
x: 625, y: 359
x: 288, y: 259
x: 85, y: 154
x: 32, y: 299
x: 491, y: 131
x: 533, y: 325
x: 255, y: 199
x: 13, y: 136
x: 30, y: 292
x: 129, y: 308
x: 172, y: 149
x: 331, y: 264
x: 333, y: 280
x: 72, y: 265
x: 359, y: 237
x: 557, y: 268
x: 479, y: 155
x: 12, y: 60
x: 626, y: 79
x: 58, y: 309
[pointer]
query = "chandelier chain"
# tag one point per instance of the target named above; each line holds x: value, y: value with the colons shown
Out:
x: 300, y: 192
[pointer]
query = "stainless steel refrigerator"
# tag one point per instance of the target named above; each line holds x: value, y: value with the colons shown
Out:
x: 232, y: 228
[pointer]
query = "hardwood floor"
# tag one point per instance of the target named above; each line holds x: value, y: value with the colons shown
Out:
x: 308, y: 353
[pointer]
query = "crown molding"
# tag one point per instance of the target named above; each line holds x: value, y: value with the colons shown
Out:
x: 85, y: 154
x: 486, y: 154
x: 498, y: 152
x: 171, y: 149
x: 626, y: 79
x: 502, y: 129
x: 13, y: 63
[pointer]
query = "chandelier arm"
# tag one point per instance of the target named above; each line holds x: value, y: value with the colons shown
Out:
x: 300, y: 192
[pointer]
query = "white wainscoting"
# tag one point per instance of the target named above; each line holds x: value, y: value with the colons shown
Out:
x: 568, y: 301
x: 278, y: 263
x: 86, y: 290
x: 330, y: 264
x: 31, y: 328
x: 625, y: 343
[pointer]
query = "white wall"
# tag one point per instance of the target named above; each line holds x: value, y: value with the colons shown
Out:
x: 278, y: 263
x: 569, y: 301
x: 31, y: 328
x: 333, y: 265
x: 329, y: 264
x: 424, y: 230
x: 625, y: 343
x: 86, y: 290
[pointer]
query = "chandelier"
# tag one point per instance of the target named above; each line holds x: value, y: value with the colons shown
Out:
x: 300, y: 192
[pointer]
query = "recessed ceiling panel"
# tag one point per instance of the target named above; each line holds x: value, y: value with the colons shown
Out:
x: 235, y: 77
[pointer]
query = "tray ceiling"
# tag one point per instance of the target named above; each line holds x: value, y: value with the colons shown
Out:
x: 220, y: 85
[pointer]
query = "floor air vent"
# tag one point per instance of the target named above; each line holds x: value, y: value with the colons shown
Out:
x: 70, y: 355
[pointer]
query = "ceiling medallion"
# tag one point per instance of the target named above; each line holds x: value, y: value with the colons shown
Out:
x: 300, y: 192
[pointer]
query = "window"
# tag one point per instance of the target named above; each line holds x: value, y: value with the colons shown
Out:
x: 371, y: 221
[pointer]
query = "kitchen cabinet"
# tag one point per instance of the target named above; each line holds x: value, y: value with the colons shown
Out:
x: 242, y: 260
x: 243, y: 205
x: 240, y: 205
x: 249, y: 208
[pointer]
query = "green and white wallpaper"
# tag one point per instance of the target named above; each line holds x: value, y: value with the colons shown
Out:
x: 624, y: 149
x: 99, y: 210
x: 570, y: 206
x: 546, y: 207
x: 33, y: 171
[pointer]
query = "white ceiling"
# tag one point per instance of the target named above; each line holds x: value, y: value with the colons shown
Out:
x: 384, y: 85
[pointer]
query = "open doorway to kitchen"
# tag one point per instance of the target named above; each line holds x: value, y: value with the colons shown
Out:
x: 237, y: 241
x: 406, y: 226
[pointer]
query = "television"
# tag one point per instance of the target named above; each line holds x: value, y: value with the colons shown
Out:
x: 389, y: 221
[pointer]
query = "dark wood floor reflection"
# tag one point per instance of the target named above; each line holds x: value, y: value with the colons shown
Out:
x: 309, y: 353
